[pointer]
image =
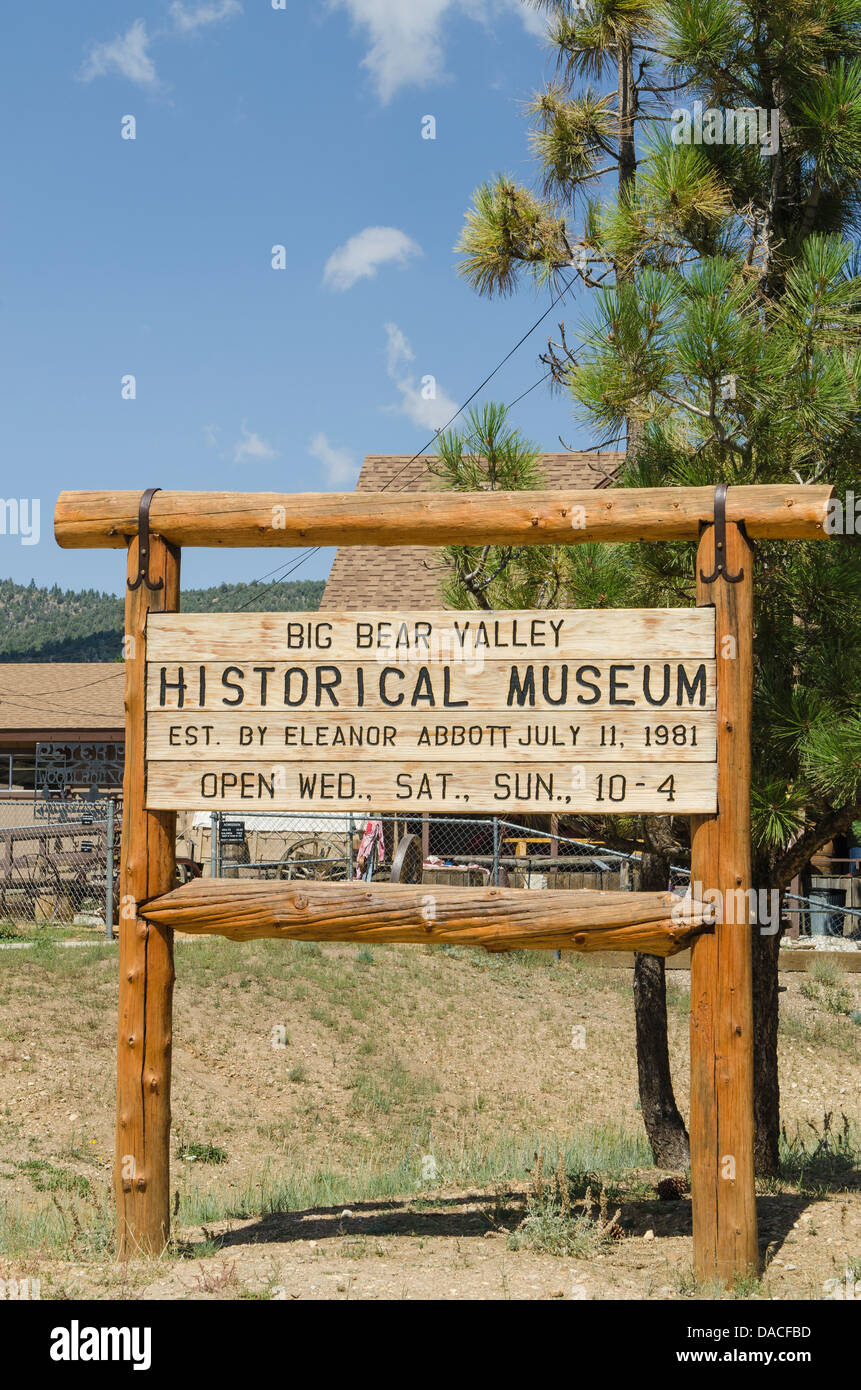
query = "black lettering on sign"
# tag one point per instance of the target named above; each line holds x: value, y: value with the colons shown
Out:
x: 588, y: 685
x: 562, y: 698
x: 686, y: 688
x: 295, y: 676
x: 647, y: 686
x: 263, y: 672
x: 423, y: 688
x: 527, y: 786
x: 386, y: 672
x: 232, y: 685
x: 249, y: 786
x: 328, y: 680
x: 519, y: 691
x: 165, y: 685
x: 302, y: 635
x: 616, y: 685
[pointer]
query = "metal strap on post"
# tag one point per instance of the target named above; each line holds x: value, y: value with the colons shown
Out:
x: 143, y: 544
x: 719, y: 523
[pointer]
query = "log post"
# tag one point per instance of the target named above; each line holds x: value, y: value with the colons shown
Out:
x: 721, y: 1128
x: 148, y: 866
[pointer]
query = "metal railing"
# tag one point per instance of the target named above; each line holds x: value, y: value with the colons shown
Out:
x: 58, y: 872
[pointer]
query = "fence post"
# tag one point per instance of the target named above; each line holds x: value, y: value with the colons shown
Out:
x: 723, y: 1195
x: 146, y: 973
x: 213, y: 844
x: 495, y: 851
x: 109, y: 872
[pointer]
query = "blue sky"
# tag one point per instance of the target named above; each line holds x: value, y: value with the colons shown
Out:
x: 254, y: 127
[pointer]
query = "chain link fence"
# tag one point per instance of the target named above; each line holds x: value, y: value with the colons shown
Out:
x: 63, y: 872
x: 462, y: 850
x: 67, y: 872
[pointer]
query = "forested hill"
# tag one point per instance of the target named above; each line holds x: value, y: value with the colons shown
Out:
x: 63, y: 625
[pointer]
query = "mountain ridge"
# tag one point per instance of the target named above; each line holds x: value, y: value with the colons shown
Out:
x: 42, y: 624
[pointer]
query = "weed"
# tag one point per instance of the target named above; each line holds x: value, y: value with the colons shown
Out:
x: 46, y: 1178
x: 201, y: 1153
x: 822, y: 1158
x: 553, y: 1226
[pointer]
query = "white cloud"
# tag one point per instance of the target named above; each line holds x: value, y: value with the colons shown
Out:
x: 127, y: 54
x: 210, y: 434
x: 406, y: 36
x: 533, y: 21
x: 431, y: 413
x: 339, y: 464
x: 251, y: 446
x: 398, y: 350
x: 423, y: 402
x: 189, y: 21
x: 361, y: 256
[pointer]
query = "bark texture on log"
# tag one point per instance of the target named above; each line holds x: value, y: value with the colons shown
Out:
x: 499, y: 919
x: 148, y: 866
x: 661, y: 1116
x: 86, y: 520
x: 721, y: 1125
x: 766, y: 1091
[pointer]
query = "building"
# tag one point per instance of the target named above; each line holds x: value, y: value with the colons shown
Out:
x: 56, y: 702
x: 366, y: 577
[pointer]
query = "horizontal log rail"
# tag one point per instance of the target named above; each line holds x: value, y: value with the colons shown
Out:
x: 499, y: 919
x: 105, y: 520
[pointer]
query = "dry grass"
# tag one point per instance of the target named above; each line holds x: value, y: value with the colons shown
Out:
x: 413, y: 1088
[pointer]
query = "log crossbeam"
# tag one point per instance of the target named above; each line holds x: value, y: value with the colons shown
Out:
x: 95, y: 520
x: 498, y: 919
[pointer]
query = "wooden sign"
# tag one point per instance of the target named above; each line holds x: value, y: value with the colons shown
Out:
x: 606, y: 711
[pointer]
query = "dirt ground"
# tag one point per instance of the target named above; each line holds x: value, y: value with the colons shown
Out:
x: 364, y: 1124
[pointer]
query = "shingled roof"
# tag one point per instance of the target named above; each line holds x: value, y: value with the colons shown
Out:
x: 367, y: 577
x: 63, y: 696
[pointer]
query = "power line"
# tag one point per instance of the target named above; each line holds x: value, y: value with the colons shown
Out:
x: 41, y: 709
x: 316, y: 549
x: 308, y: 554
x: 45, y: 694
x: 411, y: 482
x: 305, y: 556
x: 498, y: 367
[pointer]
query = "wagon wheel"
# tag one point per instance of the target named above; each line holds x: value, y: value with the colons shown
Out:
x: 317, y: 856
x: 34, y: 880
x: 407, y: 863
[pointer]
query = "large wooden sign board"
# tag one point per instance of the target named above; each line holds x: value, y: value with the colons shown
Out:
x: 592, y: 711
x: 603, y: 712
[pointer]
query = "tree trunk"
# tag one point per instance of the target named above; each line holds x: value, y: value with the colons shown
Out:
x: 665, y: 1127
x: 766, y: 1086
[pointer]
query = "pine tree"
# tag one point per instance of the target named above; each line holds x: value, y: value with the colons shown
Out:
x: 723, y: 342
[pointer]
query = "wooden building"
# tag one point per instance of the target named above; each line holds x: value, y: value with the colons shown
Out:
x: 55, y: 702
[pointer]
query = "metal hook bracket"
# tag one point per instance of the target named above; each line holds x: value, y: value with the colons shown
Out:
x: 720, y: 569
x: 143, y: 544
